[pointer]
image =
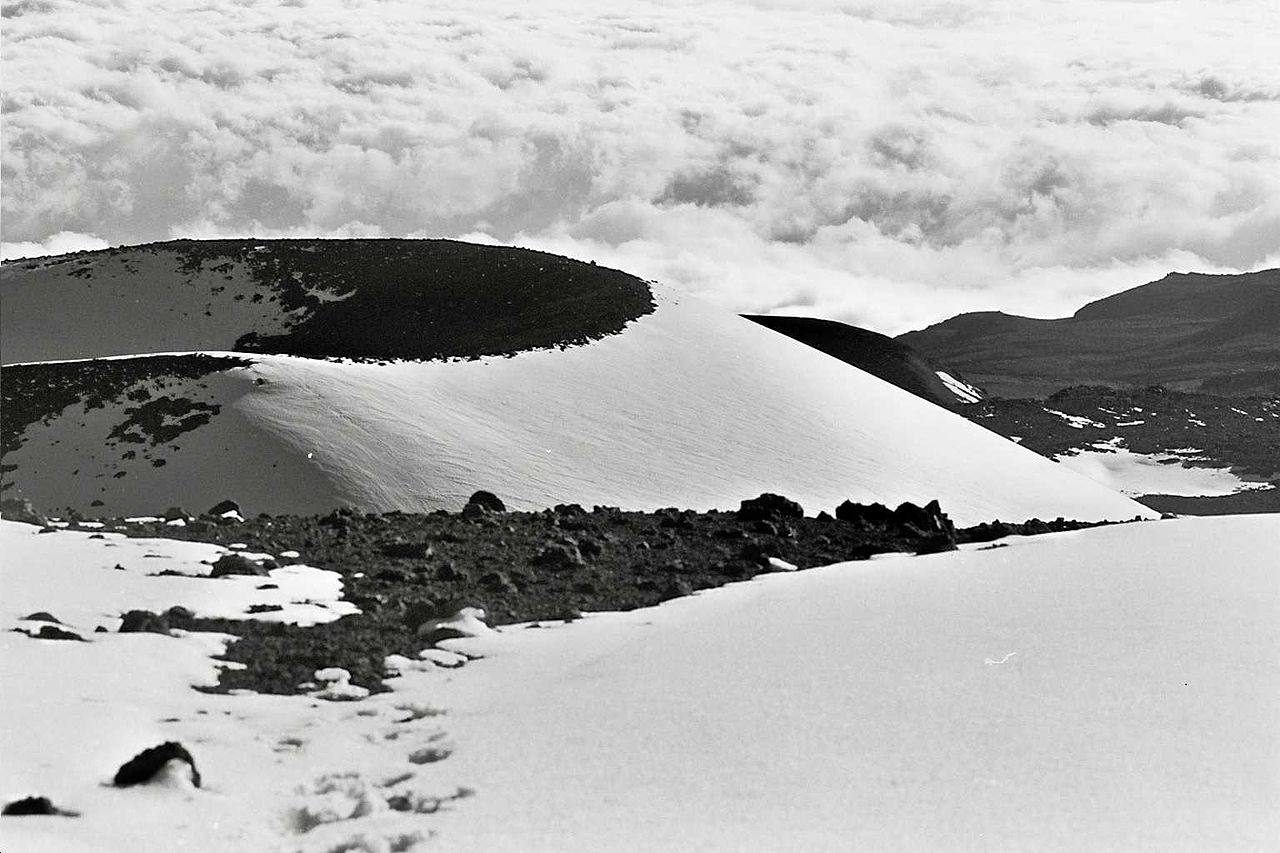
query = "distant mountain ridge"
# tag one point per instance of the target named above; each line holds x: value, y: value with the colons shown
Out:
x: 1189, y: 331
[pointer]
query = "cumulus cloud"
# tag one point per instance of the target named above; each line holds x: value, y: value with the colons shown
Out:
x: 879, y: 161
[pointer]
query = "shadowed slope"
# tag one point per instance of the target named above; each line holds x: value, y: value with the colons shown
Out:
x: 873, y: 352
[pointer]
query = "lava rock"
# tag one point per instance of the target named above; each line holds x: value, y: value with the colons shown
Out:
x: 876, y: 514
x: 236, y: 564
x: 488, y: 501
x: 176, y: 513
x: 144, y: 766
x: 179, y: 617
x: 769, y: 507
x: 221, y: 508
x: 28, y: 806
x: 42, y: 616
x: 143, y: 622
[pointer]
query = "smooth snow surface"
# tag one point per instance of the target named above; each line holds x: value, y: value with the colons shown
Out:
x: 1109, y: 689
x: 690, y: 406
x: 1154, y: 473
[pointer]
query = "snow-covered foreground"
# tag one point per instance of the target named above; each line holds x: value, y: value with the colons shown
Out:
x: 1106, y: 689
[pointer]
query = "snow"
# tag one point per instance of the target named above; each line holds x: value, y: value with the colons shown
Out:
x: 1076, y: 421
x: 51, y: 572
x: 966, y: 392
x: 1153, y: 473
x: 690, y: 406
x: 1105, y: 689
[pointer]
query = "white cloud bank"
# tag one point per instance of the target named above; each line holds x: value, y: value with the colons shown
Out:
x: 883, y: 162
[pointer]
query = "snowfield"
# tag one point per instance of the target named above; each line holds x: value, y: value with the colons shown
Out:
x: 1109, y: 689
x: 1138, y: 474
x: 689, y: 406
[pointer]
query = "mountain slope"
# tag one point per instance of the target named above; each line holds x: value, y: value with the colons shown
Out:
x: 877, y: 354
x: 686, y: 405
x: 1213, y: 333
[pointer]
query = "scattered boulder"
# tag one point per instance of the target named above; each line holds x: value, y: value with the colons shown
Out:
x: 51, y: 632
x: 21, y: 509
x: 927, y: 519
x: 488, y: 501
x: 158, y: 763
x: 769, y: 507
x: 143, y: 622
x: 236, y: 564
x: 223, y: 509
x: 42, y: 616
x: 28, y: 806
x: 176, y: 513
x: 876, y: 514
x: 179, y: 617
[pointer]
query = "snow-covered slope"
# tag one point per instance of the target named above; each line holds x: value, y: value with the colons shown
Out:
x: 1110, y: 689
x: 687, y: 406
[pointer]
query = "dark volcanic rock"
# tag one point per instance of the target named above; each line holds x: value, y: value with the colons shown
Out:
x: 221, y: 508
x: 769, y: 507
x: 42, y: 616
x: 520, y: 567
x: 488, y: 500
x: 29, y: 806
x: 143, y: 767
x: 236, y: 564
x: 52, y: 632
x: 876, y: 514
x: 143, y: 622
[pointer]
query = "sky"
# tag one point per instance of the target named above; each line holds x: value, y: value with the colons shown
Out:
x: 883, y: 162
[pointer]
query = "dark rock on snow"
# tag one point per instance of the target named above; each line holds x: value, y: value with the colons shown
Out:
x: 51, y: 632
x: 42, y: 616
x: 146, y: 622
x: 143, y: 767
x: 28, y: 806
x: 236, y: 564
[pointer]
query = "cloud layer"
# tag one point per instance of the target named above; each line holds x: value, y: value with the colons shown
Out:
x: 881, y: 161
